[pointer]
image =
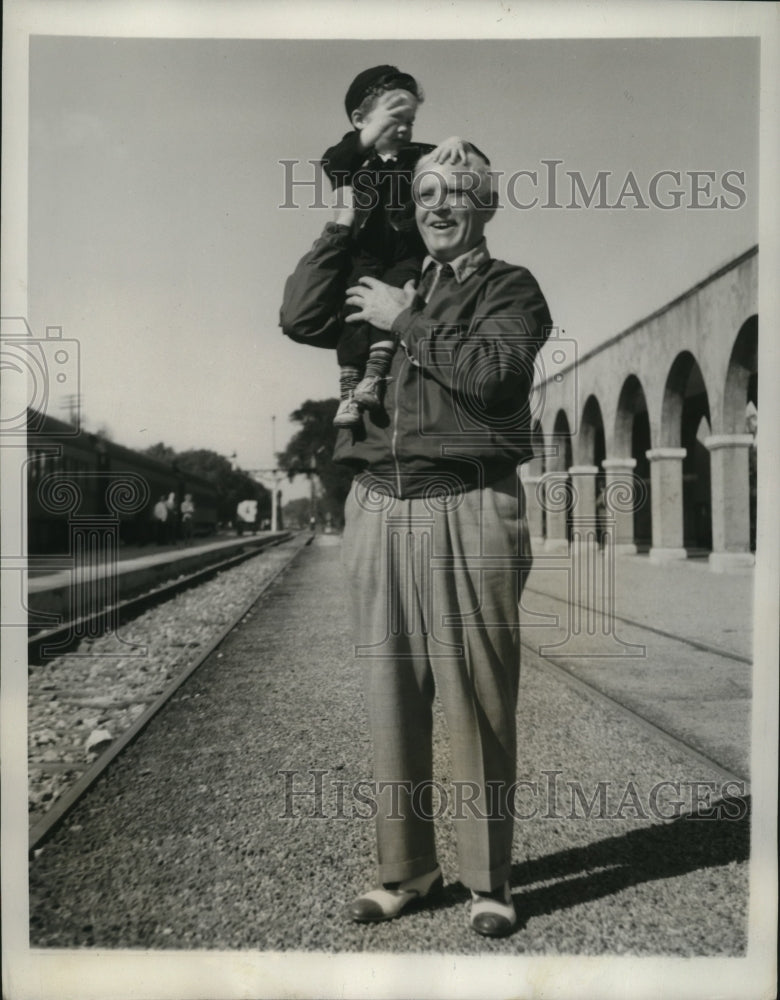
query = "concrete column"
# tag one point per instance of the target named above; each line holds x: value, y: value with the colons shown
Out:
x: 584, y: 525
x: 729, y: 461
x: 666, y: 485
x: 534, y: 509
x: 621, y: 481
x: 556, y: 505
x: 583, y: 481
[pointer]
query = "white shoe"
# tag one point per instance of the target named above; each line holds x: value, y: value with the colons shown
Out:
x: 369, y: 392
x: 493, y: 914
x: 385, y: 904
x: 348, y: 414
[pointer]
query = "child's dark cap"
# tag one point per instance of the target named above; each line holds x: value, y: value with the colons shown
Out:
x: 369, y: 78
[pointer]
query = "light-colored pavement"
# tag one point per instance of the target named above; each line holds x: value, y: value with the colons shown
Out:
x: 672, y: 642
x: 681, y: 597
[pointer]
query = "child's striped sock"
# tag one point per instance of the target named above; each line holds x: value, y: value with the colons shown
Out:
x: 349, y: 377
x: 379, y: 360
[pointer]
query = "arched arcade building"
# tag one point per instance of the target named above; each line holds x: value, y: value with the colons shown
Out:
x: 667, y: 408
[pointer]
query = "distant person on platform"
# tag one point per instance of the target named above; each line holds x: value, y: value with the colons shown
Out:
x: 172, y: 521
x: 160, y: 515
x: 436, y: 547
x: 371, y: 169
x: 187, y: 517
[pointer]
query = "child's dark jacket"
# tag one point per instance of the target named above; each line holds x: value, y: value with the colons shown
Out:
x: 383, y: 196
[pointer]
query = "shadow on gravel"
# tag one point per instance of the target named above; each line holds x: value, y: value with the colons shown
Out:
x: 692, y: 841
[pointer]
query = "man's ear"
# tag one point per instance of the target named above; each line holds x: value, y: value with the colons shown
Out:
x: 357, y: 119
x: 491, y: 206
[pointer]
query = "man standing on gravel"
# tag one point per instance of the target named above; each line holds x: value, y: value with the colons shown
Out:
x: 435, y: 541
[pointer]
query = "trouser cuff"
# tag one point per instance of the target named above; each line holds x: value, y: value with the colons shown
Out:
x: 481, y: 880
x: 400, y: 871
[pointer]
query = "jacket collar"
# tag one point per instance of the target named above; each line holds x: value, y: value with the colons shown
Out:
x: 465, y: 265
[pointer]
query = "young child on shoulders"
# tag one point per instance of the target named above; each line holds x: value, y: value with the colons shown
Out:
x: 371, y: 170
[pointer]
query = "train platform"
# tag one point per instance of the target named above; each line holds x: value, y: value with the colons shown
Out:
x: 240, y: 818
x: 58, y: 584
x: 42, y: 566
x: 673, y: 642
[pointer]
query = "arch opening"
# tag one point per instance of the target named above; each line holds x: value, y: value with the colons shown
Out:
x: 593, y: 451
x: 685, y: 423
x: 561, y: 461
x: 740, y: 404
x: 632, y: 439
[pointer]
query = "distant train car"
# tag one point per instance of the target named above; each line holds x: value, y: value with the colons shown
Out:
x: 81, y: 475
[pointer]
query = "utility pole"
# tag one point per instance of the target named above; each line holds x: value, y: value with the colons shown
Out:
x: 313, y: 493
x: 72, y: 403
x: 275, y: 472
x: 275, y: 476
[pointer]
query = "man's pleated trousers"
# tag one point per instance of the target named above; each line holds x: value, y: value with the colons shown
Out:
x: 435, y: 585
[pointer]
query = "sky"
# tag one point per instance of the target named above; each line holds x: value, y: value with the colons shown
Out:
x: 157, y: 240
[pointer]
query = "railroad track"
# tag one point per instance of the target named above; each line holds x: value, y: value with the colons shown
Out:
x: 44, y: 825
x: 59, y: 640
x: 42, y: 828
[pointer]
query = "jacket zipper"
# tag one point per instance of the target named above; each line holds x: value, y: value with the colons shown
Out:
x: 394, y: 440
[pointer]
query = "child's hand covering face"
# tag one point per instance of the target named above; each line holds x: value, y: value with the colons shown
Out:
x: 388, y: 125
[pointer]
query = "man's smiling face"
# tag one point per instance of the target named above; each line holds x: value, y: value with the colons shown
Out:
x: 453, y: 204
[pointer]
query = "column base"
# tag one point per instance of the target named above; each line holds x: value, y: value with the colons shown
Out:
x: 557, y: 546
x: 624, y: 549
x: 666, y: 555
x: 723, y: 562
x: 537, y: 543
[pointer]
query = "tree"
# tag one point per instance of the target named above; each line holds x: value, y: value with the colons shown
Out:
x: 161, y: 453
x: 309, y: 453
x: 104, y: 432
x: 297, y: 513
x: 232, y: 485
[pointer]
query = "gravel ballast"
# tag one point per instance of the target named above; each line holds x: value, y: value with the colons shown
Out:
x: 192, y: 840
x: 80, y: 703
